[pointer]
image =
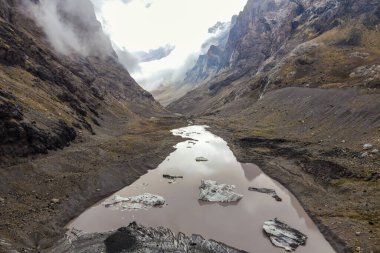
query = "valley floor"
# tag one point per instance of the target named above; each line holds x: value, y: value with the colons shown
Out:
x: 337, y: 187
x: 40, y: 196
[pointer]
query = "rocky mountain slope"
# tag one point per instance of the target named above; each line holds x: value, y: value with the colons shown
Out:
x: 48, y: 98
x: 73, y: 123
x: 276, y: 44
x: 297, y: 91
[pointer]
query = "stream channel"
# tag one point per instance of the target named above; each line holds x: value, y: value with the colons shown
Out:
x: 238, y: 224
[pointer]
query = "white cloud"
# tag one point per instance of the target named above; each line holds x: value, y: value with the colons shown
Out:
x: 182, y: 23
x: 69, y: 26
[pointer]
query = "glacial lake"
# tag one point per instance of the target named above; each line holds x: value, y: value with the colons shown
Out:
x: 236, y: 224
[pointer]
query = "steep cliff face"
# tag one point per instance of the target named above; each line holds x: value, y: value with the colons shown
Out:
x: 256, y: 34
x: 209, y: 64
x: 51, y: 92
x: 274, y: 44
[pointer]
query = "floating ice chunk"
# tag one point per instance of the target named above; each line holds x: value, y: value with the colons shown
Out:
x: 270, y: 192
x: 214, y: 192
x: 283, y: 236
x: 144, y: 201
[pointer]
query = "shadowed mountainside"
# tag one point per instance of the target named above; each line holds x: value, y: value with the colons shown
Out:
x: 74, y: 125
x: 47, y: 99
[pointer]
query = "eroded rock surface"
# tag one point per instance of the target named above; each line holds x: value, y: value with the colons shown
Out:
x: 283, y: 236
x: 144, y: 201
x: 214, y: 192
x: 136, y: 238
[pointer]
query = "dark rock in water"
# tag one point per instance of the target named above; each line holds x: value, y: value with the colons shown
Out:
x: 171, y: 177
x: 121, y: 240
x: 283, y: 236
x: 266, y: 191
x: 136, y: 238
x: 201, y: 159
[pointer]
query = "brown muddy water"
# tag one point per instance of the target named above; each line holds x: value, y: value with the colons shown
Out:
x: 238, y: 225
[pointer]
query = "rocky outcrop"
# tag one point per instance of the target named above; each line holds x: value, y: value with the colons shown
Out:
x: 136, y: 238
x: 21, y: 137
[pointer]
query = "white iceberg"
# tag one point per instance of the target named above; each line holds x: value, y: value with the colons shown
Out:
x: 215, y: 192
x: 144, y: 201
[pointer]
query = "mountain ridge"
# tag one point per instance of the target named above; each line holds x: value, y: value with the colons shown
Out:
x: 85, y: 86
x: 286, y: 43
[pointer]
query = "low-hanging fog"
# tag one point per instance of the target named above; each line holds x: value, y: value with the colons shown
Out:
x: 158, y: 41
x: 180, y: 28
x: 69, y: 26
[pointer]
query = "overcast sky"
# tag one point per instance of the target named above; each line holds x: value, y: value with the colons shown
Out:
x: 142, y: 25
